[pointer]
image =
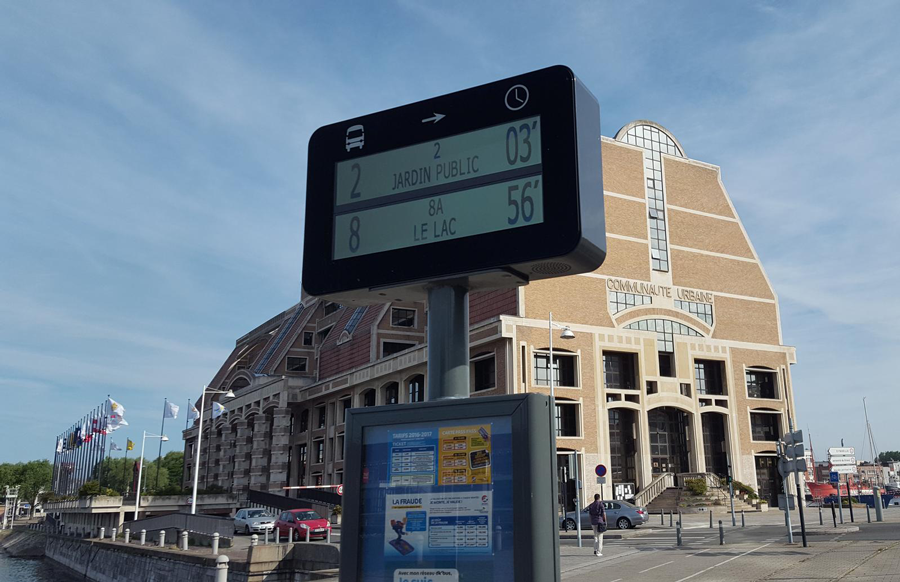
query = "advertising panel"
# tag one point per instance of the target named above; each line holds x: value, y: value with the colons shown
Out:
x: 436, y: 503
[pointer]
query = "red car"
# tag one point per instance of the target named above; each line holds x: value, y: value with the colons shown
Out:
x: 296, y: 519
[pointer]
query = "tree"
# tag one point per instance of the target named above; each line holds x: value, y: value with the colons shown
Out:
x: 173, y: 463
x: 889, y: 456
x: 32, y: 478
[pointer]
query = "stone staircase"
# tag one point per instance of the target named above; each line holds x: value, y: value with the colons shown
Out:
x: 716, y: 498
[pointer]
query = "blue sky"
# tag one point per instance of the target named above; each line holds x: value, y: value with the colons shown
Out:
x: 152, y: 172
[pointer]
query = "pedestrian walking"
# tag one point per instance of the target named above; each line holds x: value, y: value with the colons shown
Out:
x: 598, y: 523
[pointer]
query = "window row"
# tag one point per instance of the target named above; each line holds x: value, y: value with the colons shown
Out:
x: 619, y: 301
x: 703, y: 311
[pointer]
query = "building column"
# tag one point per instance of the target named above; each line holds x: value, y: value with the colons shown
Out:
x: 698, y: 453
x: 240, y: 477
x: 226, y: 449
x: 259, y: 454
x: 280, y: 441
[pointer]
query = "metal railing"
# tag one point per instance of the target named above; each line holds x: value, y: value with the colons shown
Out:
x: 204, y: 524
x: 654, y: 489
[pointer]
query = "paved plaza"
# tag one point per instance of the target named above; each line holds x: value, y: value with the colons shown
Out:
x: 757, y: 552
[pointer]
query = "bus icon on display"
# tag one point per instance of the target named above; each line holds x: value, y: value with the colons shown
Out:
x: 356, y: 137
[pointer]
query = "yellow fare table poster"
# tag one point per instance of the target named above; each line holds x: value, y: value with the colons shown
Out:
x: 464, y: 455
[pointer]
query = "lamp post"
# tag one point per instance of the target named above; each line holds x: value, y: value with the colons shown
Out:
x: 206, y: 390
x: 137, y: 500
x: 566, y: 334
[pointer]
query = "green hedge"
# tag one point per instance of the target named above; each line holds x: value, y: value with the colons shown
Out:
x: 696, y: 486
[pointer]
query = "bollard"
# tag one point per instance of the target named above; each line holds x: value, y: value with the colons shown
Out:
x: 307, y: 535
x: 743, y: 521
x: 710, y: 519
x: 184, y: 540
x: 670, y: 518
x: 143, y: 536
x: 662, y: 515
x: 678, y: 534
x: 215, y: 544
x: 127, y: 535
x: 833, y: 516
x: 328, y: 535
x: 103, y: 531
x: 721, y: 534
x: 680, y: 519
x: 820, y: 515
x: 868, y: 514
x: 254, y: 540
x: 266, y: 542
x: 222, y: 568
x: 162, y: 538
x: 115, y: 534
x: 277, y: 536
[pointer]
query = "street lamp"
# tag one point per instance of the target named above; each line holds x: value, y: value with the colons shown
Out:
x: 566, y: 334
x: 137, y: 501
x: 206, y: 390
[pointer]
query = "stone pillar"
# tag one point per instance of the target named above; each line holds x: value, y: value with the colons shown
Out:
x: 280, y: 441
x: 698, y: 452
x: 259, y: 455
x: 242, y: 446
x: 224, y: 475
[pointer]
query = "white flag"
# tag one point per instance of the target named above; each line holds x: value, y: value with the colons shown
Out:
x: 194, y: 414
x: 58, y: 445
x: 218, y: 410
x: 116, y: 409
x: 113, y: 446
x: 115, y: 424
x: 171, y: 410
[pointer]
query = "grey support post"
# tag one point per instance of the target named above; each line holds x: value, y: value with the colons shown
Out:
x: 721, y: 534
x: 448, y: 342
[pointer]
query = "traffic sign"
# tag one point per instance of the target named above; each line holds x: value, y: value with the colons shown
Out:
x: 399, y: 198
x: 841, y: 451
x: 600, y: 470
x: 842, y: 460
x: 340, y: 489
x: 834, y: 476
x: 843, y: 469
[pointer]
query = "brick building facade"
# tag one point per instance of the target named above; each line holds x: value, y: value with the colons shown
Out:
x: 677, y: 365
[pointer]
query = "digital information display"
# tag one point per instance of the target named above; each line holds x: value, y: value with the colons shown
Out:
x: 492, y: 186
x: 464, y: 493
x: 463, y: 185
x: 437, y: 501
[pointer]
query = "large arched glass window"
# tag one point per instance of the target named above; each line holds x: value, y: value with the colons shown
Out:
x: 657, y: 141
x: 417, y: 388
x: 666, y: 330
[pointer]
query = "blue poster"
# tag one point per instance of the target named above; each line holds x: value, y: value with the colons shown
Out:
x: 437, y: 502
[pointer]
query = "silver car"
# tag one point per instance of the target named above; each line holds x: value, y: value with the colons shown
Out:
x: 619, y: 514
x: 253, y: 520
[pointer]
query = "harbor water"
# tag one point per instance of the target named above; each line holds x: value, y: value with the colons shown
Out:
x: 30, y: 570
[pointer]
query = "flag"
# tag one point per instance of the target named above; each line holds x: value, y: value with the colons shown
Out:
x: 129, y: 446
x: 88, y: 437
x: 171, y: 410
x: 116, y: 409
x: 113, y: 425
x: 78, y: 439
x: 113, y: 446
x: 194, y: 414
x: 59, y: 445
x: 218, y: 410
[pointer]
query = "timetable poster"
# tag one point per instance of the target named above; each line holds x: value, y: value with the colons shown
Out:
x: 438, y: 502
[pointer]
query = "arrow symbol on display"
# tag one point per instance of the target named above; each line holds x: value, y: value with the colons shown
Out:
x: 437, y: 117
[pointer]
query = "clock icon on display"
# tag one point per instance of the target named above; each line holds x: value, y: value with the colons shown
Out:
x: 516, y: 97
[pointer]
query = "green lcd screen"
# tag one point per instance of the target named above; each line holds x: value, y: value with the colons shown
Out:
x: 463, y: 185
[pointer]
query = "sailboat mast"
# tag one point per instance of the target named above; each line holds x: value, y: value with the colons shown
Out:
x: 871, y: 442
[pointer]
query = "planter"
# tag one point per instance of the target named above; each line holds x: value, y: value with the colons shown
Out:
x: 762, y: 505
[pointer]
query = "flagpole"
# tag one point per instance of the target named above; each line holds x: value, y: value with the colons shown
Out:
x: 187, y: 414
x: 162, y: 431
x: 102, y: 427
x: 124, y: 466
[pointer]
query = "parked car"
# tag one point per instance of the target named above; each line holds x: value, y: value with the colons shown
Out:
x: 296, y: 519
x: 253, y: 520
x: 619, y: 514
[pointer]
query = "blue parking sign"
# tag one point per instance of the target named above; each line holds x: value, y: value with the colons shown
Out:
x: 834, y: 477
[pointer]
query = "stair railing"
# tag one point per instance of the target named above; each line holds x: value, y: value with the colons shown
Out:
x: 654, y: 489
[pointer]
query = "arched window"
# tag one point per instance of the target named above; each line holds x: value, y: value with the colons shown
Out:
x: 417, y: 388
x: 666, y: 330
x: 368, y: 398
x: 391, y: 393
x: 304, y: 420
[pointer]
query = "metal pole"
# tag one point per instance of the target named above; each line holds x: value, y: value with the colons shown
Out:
x: 820, y: 514
x: 197, y: 453
x: 787, y: 500
x: 678, y: 534
x: 577, y: 501
x: 850, y: 499
x: 721, y: 534
x: 840, y: 501
x: 743, y: 519
x: 670, y: 518
x: 162, y: 430
x: 879, y: 506
x: 662, y: 516
x: 448, y: 343
x: 553, y: 409
x: 710, y: 519
x: 137, y: 499
x: 801, y: 499
x: 731, y: 491
x: 868, y: 514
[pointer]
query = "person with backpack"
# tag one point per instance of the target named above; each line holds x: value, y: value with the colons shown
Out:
x: 598, y: 523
